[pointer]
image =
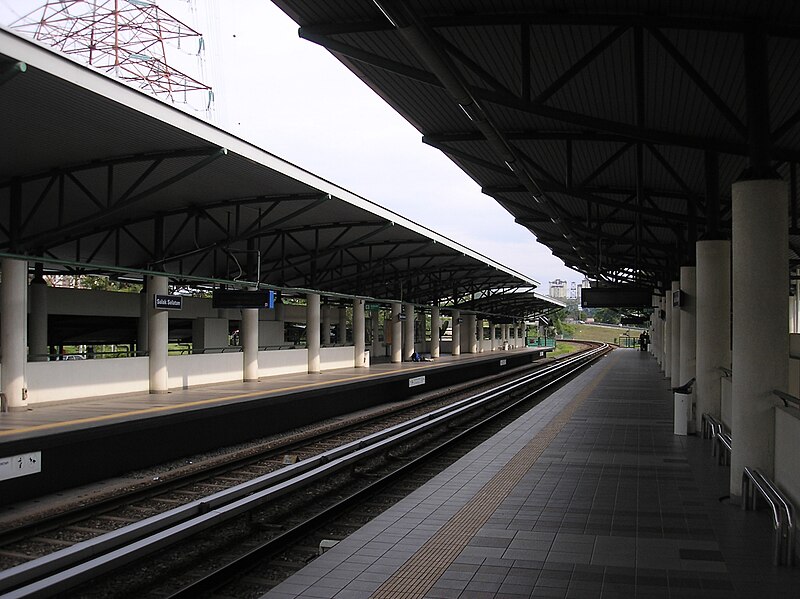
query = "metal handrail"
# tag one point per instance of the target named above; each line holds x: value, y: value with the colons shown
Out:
x: 749, y: 501
x: 787, y: 398
x: 788, y: 508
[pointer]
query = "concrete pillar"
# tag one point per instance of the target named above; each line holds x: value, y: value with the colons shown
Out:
x: 359, y: 334
x: 141, y: 327
x: 250, y: 344
x: 157, y: 335
x: 760, y: 336
x: 492, y: 336
x: 471, y: 341
x: 794, y: 303
x: 325, y: 313
x: 408, y: 332
x: 654, y: 318
x: 688, y: 335
x: 481, y: 345
x: 456, y: 315
x: 280, y: 316
x: 37, y: 320
x: 376, y: 339
x: 397, y: 333
x: 313, y: 340
x: 14, y: 333
x: 435, y: 337
x: 667, y: 334
x: 713, y: 323
x: 675, y: 344
x: 341, y: 335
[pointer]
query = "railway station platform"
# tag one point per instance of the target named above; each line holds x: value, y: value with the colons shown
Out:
x: 82, y: 441
x: 590, y: 494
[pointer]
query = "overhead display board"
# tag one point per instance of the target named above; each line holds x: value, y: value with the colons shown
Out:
x: 242, y: 298
x: 616, y: 297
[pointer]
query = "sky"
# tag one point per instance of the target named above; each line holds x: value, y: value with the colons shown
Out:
x: 295, y: 100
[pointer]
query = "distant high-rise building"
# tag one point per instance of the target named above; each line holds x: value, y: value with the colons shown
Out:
x: 558, y: 289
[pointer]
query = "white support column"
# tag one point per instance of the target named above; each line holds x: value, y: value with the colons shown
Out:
x: 376, y: 339
x: 397, y: 333
x: 688, y: 335
x: 492, y: 336
x: 37, y: 320
x: 654, y: 339
x: 359, y: 334
x: 341, y: 334
x: 713, y: 323
x: 157, y: 335
x: 666, y: 330
x: 481, y: 344
x: 325, y: 334
x: 249, y: 344
x: 141, y: 326
x: 13, y: 333
x: 313, y: 332
x: 280, y: 316
x: 472, y: 339
x: 675, y: 333
x: 760, y: 336
x: 435, y: 337
x: 408, y: 332
x: 456, y: 315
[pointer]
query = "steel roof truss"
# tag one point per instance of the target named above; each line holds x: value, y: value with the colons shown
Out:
x: 698, y: 80
x: 589, y: 57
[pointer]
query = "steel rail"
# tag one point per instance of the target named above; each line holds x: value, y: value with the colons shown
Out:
x: 47, y: 523
x: 65, y: 569
x: 276, y: 545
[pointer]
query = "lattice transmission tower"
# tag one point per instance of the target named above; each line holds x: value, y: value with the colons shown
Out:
x: 127, y: 38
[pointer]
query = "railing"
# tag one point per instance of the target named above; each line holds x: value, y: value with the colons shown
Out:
x: 627, y: 341
x: 788, y: 399
x: 540, y: 342
x: 783, y: 522
x: 86, y: 355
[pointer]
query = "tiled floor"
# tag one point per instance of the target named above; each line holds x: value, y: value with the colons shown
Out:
x: 589, y: 495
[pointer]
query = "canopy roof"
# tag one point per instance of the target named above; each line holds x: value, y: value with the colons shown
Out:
x: 100, y: 178
x: 612, y: 130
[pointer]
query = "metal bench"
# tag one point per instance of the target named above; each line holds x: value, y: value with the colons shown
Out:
x: 755, y: 485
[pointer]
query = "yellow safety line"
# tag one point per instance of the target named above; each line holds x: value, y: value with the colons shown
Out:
x: 419, y: 573
x: 200, y: 402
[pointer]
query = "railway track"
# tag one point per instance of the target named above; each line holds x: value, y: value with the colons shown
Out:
x: 266, y: 513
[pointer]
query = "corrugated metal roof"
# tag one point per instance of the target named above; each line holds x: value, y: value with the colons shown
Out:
x: 111, y: 180
x: 607, y: 116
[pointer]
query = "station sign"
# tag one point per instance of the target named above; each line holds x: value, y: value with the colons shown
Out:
x: 402, y: 316
x: 242, y: 298
x: 168, y: 302
x: 372, y: 307
x: 677, y: 299
x: 22, y: 464
x: 416, y: 381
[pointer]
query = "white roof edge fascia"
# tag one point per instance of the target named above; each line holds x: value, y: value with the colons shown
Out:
x: 68, y: 69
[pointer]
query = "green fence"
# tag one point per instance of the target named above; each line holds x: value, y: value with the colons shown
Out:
x: 541, y: 342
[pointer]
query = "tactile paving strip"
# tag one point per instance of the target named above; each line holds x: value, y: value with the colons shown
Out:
x: 426, y: 566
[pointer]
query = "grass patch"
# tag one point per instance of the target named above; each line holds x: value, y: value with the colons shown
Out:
x: 590, y: 332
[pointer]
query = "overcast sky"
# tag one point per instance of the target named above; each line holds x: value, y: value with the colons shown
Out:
x: 294, y: 99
